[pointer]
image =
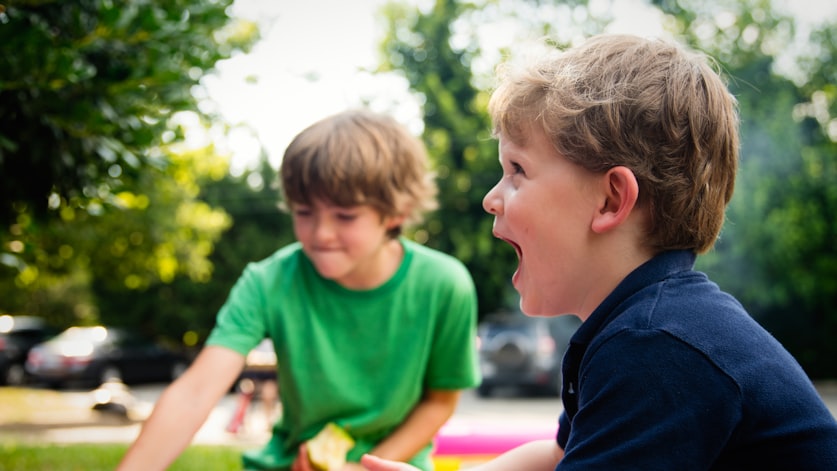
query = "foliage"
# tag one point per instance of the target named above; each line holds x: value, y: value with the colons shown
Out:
x: 163, y: 233
x: 99, y: 189
x: 185, y: 308
x: 87, y: 95
x: 159, y: 231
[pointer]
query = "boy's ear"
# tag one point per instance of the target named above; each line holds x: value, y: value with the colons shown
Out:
x: 392, y: 222
x: 620, y: 193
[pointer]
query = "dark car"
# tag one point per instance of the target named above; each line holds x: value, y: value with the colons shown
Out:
x: 523, y: 353
x: 261, y: 362
x: 260, y: 365
x: 18, y: 334
x: 94, y: 355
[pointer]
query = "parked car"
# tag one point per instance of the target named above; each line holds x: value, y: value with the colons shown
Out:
x: 94, y: 355
x: 18, y: 334
x: 261, y: 362
x: 257, y: 380
x: 523, y: 353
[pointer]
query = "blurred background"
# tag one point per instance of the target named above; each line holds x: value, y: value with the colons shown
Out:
x: 139, y: 143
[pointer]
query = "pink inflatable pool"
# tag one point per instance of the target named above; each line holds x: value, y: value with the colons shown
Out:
x: 463, y: 440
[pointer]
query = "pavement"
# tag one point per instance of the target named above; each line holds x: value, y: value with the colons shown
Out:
x: 86, y: 417
x: 48, y: 416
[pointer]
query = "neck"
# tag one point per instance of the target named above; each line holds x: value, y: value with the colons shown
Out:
x: 378, y: 270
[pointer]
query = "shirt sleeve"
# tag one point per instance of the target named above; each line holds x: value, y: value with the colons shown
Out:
x: 453, y: 362
x: 240, y: 323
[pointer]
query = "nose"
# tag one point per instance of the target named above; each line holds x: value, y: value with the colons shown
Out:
x: 323, y: 229
x: 492, y: 203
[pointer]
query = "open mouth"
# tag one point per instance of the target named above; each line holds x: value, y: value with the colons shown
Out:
x: 516, y: 247
x: 517, y: 273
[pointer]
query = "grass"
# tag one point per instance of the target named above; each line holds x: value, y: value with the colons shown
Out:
x: 94, y: 457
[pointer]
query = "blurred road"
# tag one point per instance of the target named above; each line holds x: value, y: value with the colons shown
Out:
x: 83, y: 425
x: 501, y: 412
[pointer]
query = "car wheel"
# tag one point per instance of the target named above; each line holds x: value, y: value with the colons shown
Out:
x: 15, y: 375
x: 110, y: 373
x: 484, y: 390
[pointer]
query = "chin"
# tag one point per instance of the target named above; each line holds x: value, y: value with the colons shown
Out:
x: 528, y: 308
x: 330, y: 274
x: 538, y: 307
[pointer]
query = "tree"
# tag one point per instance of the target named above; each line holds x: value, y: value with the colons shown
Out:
x: 152, y: 235
x: 257, y: 229
x: 98, y: 189
x: 87, y: 95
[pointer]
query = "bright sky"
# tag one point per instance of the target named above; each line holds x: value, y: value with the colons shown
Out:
x: 271, y: 90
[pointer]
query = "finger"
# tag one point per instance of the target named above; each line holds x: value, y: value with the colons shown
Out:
x: 373, y: 463
x: 302, y: 458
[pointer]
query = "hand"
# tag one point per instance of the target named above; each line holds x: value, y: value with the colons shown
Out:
x: 352, y: 467
x: 301, y: 462
x: 373, y: 463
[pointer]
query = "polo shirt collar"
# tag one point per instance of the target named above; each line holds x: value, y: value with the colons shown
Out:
x: 656, y: 269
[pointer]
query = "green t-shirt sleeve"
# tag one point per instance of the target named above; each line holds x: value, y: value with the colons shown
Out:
x: 453, y: 362
x: 240, y: 324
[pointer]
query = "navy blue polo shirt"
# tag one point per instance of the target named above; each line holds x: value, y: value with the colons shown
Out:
x: 670, y: 373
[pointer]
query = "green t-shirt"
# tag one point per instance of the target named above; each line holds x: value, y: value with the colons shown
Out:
x: 361, y: 359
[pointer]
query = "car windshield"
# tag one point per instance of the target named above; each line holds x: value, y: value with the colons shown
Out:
x: 95, y: 335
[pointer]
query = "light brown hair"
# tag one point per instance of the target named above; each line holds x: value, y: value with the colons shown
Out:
x: 358, y: 157
x: 648, y: 105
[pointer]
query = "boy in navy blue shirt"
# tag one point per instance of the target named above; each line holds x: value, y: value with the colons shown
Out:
x: 619, y: 158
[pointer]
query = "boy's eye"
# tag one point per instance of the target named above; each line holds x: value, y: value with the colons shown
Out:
x: 346, y: 216
x: 516, y: 168
x: 302, y: 212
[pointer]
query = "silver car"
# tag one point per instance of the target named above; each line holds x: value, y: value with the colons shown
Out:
x: 523, y: 353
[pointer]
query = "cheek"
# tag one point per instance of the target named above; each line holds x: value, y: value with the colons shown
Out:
x: 301, y: 228
x: 524, y: 215
x: 360, y: 233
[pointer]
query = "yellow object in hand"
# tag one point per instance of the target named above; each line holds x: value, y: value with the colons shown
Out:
x: 327, y: 450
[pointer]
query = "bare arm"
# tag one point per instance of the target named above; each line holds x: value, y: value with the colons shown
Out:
x: 182, y: 409
x: 540, y: 455
x: 419, y: 428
